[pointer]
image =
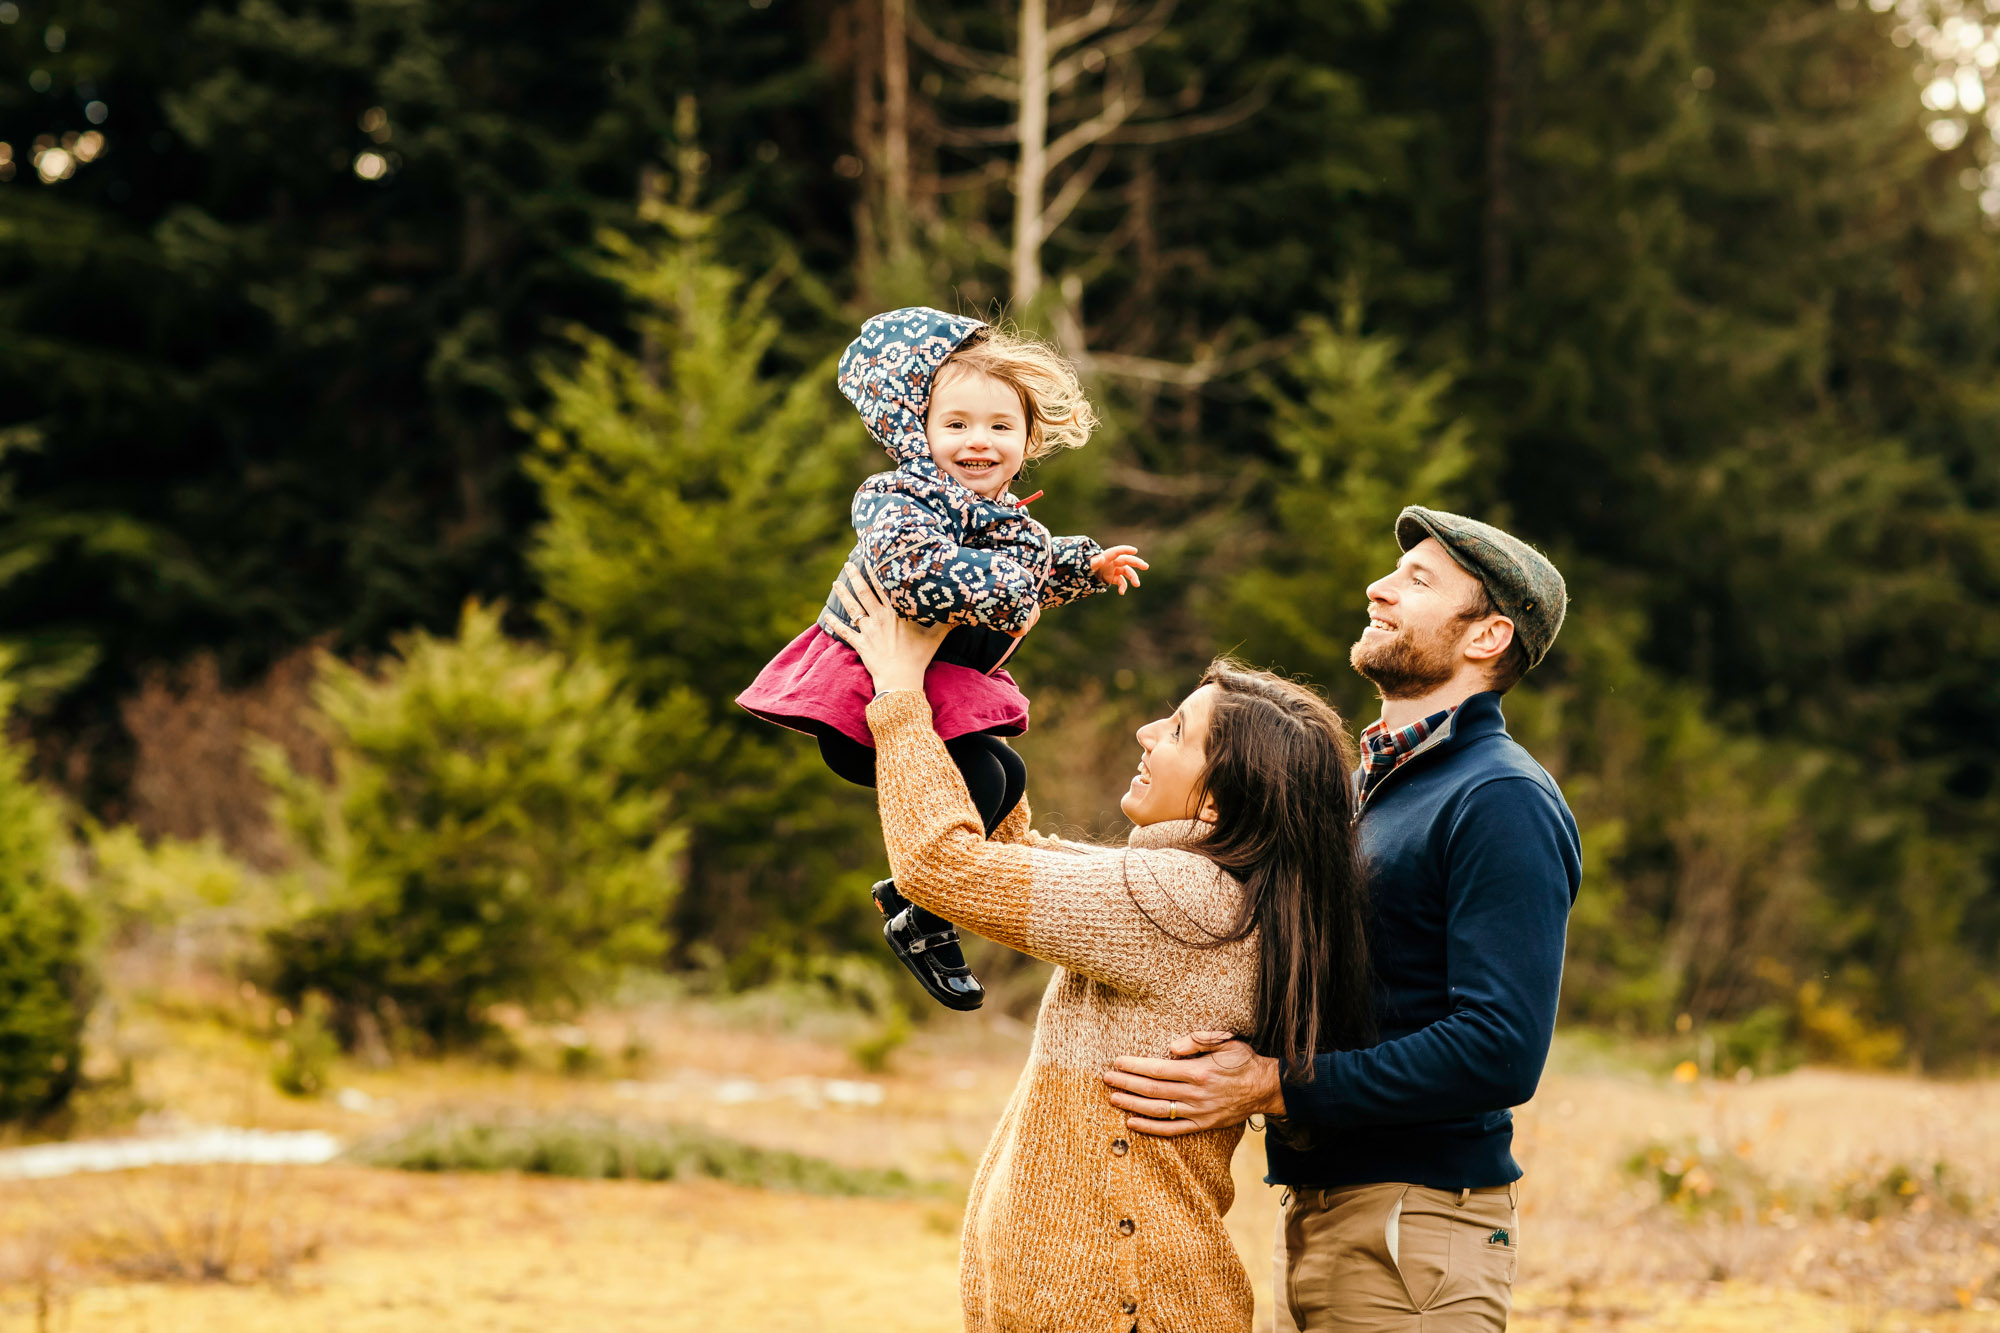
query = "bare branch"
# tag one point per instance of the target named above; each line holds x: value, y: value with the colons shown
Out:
x: 965, y: 57
x: 1121, y: 43
x: 1205, y: 371
x: 1065, y: 72
x: 992, y: 173
x: 959, y: 136
x: 1188, y: 127
x: 999, y: 87
x: 1101, y: 15
x: 1144, y: 368
x: 1184, y: 487
x: 1073, y: 190
x: 1103, y: 251
x: 1117, y: 107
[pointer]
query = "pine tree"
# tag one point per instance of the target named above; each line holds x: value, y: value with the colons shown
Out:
x: 267, y: 340
x: 1361, y: 436
x: 697, y: 493
x: 490, y: 836
x: 46, y: 986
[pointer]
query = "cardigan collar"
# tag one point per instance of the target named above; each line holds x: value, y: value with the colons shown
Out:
x: 1168, y: 833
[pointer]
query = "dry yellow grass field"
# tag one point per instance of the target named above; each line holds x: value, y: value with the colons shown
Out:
x: 1811, y: 1201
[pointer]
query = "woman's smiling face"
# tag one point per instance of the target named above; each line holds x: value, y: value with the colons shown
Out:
x: 1168, y: 784
x: 977, y: 430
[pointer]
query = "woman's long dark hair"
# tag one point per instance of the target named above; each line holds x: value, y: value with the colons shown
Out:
x: 1279, y: 773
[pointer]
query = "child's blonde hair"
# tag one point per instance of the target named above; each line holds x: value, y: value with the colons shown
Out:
x: 1052, y: 398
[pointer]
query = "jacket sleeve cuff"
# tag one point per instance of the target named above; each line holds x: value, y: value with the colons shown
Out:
x: 1070, y: 579
x: 896, y: 711
x: 1315, y: 1102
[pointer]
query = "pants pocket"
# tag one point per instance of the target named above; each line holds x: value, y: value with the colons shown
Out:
x: 1456, y: 1258
x: 1419, y: 1234
x: 1488, y: 1250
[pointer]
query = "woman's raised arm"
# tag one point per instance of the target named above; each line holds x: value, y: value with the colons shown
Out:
x: 1074, y: 906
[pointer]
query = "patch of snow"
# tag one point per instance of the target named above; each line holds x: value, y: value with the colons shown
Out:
x: 202, y: 1147
x: 810, y: 1093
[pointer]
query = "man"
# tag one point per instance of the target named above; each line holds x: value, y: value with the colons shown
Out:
x: 1401, y: 1205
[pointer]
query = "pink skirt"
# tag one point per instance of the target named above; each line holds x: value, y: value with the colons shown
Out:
x: 818, y: 683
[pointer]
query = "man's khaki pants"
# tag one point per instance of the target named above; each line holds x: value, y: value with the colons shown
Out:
x: 1396, y: 1259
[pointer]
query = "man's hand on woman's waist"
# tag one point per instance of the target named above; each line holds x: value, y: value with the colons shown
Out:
x: 1214, y: 1080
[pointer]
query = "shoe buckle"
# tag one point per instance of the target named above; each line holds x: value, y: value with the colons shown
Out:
x: 925, y: 943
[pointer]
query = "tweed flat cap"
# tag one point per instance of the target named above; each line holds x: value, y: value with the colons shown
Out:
x: 1528, y: 589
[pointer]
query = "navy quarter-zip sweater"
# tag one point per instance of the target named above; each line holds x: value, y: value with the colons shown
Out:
x: 1473, y: 861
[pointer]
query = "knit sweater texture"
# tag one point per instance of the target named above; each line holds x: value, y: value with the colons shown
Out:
x: 1074, y: 1221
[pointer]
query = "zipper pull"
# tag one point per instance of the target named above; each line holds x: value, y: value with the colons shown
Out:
x: 1023, y: 504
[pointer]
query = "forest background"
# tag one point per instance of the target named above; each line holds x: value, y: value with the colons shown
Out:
x: 323, y: 317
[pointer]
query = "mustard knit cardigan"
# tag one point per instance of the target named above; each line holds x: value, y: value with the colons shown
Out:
x: 1074, y: 1221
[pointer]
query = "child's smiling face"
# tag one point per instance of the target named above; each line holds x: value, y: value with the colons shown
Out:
x: 977, y: 430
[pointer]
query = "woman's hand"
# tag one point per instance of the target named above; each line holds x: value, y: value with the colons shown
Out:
x: 896, y: 651
x: 1116, y: 565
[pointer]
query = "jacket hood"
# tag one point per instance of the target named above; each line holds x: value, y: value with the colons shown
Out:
x: 887, y: 372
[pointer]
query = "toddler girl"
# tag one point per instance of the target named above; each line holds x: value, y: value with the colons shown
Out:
x: 960, y: 407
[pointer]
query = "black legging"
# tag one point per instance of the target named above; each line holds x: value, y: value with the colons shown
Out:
x: 993, y: 773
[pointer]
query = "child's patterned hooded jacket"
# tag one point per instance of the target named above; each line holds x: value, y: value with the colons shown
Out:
x: 943, y: 554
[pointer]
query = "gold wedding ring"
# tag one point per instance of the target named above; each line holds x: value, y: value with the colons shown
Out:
x: 1173, y: 1110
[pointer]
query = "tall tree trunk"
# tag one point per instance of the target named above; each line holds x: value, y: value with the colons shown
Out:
x: 1031, y: 171
x: 863, y: 19
x: 1498, y: 239
x: 896, y: 130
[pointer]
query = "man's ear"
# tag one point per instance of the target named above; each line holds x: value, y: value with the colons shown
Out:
x: 1491, y: 639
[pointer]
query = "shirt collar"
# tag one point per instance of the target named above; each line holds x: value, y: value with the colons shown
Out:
x: 1384, y: 751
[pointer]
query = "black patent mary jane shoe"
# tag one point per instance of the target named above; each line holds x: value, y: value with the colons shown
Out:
x: 929, y: 946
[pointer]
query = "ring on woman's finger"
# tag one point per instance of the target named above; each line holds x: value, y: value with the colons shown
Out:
x: 1173, y: 1110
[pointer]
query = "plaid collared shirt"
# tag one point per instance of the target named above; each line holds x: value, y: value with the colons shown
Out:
x: 1383, y: 751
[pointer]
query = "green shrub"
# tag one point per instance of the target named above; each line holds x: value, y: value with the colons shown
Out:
x: 696, y: 479
x: 214, y: 907
x: 595, y: 1148
x: 1701, y: 1178
x: 1359, y: 434
x: 302, y: 1057
x: 46, y: 987
x: 138, y: 885
x: 486, y: 839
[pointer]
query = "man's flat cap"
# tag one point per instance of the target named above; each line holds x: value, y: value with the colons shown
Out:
x: 1528, y: 589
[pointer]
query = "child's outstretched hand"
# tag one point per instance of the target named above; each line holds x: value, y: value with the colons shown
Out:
x: 1117, y: 564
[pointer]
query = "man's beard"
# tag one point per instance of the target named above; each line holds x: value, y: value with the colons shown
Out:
x: 1406, y: 667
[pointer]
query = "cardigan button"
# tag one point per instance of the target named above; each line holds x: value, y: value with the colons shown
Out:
x: 1125, y: 1227
x: 1120, y: 1147
x: 1130, y: 1307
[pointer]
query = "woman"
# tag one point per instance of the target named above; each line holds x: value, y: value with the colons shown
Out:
x: 1237, y: 905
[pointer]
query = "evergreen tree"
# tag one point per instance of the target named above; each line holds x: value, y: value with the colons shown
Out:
x: 490, y: 836
x: 697, y: 497
x: 1682, y: 292
x: 46, y: 985
x: 1361, y: 436
x: 266, y: 343
x: 1741, y: 353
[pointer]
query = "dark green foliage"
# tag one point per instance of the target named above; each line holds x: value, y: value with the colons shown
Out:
x: 1678, y: 291
x: 697, y: 506
x: 489, y: 837
x: 1360, y: 437
x: 594, y: 1148
x: 46, y: 985
x: 251, y: 398
x: 1723, y: 323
